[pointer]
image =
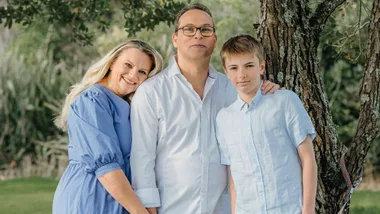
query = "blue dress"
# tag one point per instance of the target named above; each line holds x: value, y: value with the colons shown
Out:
x: 100, y: 141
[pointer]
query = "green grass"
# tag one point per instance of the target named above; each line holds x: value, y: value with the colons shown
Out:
x: 365, y: 202
x: 28, y: 195
x: 35, y: 195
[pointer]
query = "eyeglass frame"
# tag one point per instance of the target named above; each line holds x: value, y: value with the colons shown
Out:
x: 197, y: 28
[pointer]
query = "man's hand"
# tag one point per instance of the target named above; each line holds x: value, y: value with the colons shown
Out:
x: 269, y: 86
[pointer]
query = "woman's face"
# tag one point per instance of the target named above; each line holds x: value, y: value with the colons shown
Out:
x: 128, y: 71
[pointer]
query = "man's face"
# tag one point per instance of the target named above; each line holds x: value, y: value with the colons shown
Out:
x: 197, y: 46
x: 244, y: 71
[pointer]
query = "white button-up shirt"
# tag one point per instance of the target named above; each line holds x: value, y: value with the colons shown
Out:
x: 175, y: 159
x: 260, y: 143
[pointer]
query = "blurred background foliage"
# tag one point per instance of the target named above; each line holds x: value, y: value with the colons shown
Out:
x: 41, y: 60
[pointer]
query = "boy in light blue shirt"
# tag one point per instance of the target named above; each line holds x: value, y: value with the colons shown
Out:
x: 265, y: 140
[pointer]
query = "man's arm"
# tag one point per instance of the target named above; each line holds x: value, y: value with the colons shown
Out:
x: 309, y: 175
x: 144, y: 123
x: 269, y: 87
x: 232, y: 191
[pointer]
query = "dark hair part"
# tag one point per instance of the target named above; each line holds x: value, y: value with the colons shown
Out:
x: 242, y: 44
x: 194, y: 6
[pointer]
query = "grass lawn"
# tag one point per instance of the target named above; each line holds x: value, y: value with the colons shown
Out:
x: 365, y: 202
x: 27, y: 195
x: 35, y: 195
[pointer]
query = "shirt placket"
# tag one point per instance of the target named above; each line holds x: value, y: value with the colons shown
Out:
x: 257, y: 169
x: 202, y: 142
x: 204, y: 157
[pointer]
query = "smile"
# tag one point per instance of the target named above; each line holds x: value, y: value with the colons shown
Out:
x: 128, y: 81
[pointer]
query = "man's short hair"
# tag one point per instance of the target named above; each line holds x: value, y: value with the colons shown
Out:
x: 242, y: 44
x: 194, y: 6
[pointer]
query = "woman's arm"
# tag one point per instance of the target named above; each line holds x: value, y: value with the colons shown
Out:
x: 309, y: 175
x: 232, y: 191
x: 118, y: 186
x: 152, y: 210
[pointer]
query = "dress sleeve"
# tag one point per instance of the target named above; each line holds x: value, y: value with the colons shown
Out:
x: 299, y: 124
x: 91, y: 125
x: 223, y: 149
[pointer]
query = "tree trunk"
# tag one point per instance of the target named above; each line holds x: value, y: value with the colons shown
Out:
x: 290, y: 33
x: 368, y: 127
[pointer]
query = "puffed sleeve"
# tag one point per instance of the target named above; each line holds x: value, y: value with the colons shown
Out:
x: 299, y: 124
x: 223, y: 149
x: 91, y: 128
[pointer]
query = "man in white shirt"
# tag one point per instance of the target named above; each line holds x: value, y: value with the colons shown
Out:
x: 175, y: 159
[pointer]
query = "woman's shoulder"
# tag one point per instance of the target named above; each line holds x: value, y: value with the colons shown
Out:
x: 92, y: 97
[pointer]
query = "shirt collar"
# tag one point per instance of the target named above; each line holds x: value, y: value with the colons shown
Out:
x: 255, y: 101
x: 173, y: 69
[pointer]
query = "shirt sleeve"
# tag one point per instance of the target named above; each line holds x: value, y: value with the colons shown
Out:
x: 144, y: 122
x: 223, y: 149
x: 299, y: 124
x: 90, y: 124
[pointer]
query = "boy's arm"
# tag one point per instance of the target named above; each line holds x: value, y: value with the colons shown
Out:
x: 309, y: 175
x: 301, y: 131
x: 232, y: 191
x: 223, y: 149
x: 225, y: 159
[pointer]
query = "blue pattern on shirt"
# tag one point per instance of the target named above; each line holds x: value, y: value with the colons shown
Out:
x: 260, y: 143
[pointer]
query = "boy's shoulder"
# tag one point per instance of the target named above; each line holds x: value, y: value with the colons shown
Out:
x: 280, y: 96
x: 227, y: 112
x: 283, y: 93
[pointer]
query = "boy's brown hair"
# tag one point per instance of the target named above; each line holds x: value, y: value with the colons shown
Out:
x: 242, y: 44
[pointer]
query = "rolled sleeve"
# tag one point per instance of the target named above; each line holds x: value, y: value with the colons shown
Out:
x: 299, y: 123
x: 144, y: 122
x: 223, y: 149
x: 149, y: 196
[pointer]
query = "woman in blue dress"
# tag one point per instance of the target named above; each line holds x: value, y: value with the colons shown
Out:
x: 96, y: 117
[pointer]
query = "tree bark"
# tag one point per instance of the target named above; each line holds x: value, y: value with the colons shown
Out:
x: 368, y: 126
x: 290, y: 33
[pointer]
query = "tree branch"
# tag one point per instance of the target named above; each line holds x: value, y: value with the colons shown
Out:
x: 368, y: 126
x: 323, y: 12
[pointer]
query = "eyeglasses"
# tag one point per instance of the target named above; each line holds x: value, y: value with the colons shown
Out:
x: 192, y: 30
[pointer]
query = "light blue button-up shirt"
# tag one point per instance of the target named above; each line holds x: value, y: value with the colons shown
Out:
x: 260, y: 143
x: 175, y: 159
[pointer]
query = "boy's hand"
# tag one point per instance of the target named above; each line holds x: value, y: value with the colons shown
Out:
x: 308, y: 211
x: 269, y: 86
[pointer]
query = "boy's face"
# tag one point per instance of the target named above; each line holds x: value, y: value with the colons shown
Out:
x: 244, y: 71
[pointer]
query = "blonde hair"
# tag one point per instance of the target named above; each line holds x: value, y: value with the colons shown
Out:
x: 100, y: 69
x: 242, y: 44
